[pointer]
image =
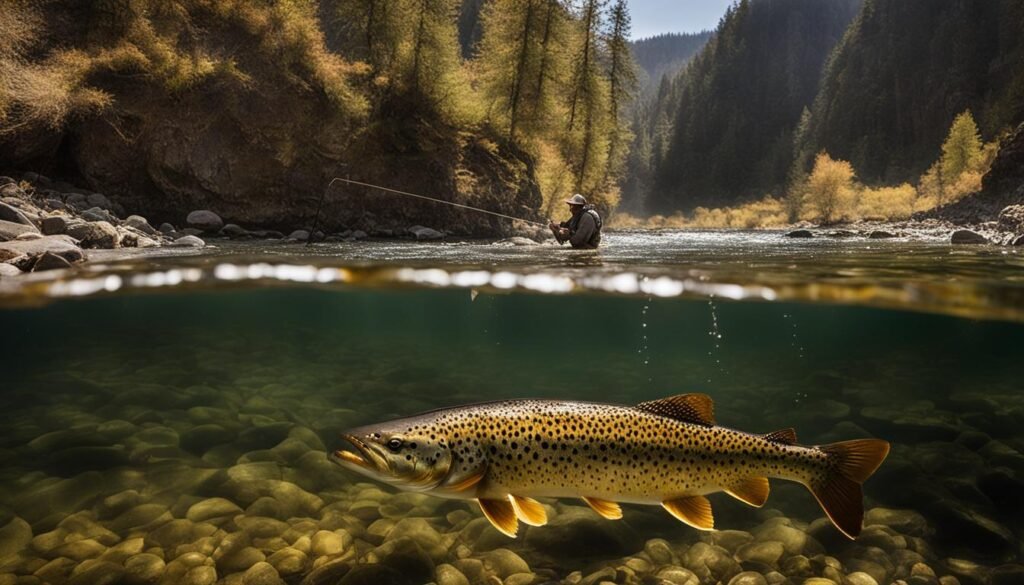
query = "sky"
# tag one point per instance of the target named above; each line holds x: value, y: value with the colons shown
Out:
x: 652, y: 17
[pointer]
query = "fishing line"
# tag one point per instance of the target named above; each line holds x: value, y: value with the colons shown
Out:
x: 435, y: 200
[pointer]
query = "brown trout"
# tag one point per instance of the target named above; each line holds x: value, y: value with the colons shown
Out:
x: 666, y: 452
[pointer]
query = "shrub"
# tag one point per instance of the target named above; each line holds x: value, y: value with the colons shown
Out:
x: 829, y: 189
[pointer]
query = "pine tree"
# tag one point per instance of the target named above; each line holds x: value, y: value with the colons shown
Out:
x: 962, y: 150
x: 508, y: 60
x: 622, y: 82
x: 435, y: 72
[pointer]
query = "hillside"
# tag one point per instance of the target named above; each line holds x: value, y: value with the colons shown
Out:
x: 739, y: 103
x: 905, y: 69
x: 250, y: 109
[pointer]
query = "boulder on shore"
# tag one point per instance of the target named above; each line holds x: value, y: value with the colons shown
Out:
x: 95, y: 234
x: 10, y: 230
x: 967, y: 237
x: 425, y: 233
x: 23, y: 253
x: 204, y: 220
x: 188, y: 242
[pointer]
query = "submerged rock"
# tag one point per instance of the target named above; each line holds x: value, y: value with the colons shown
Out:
x: 578, y: 532
x: 748, y: 578
x: 212, y: 508
x: 144, y: 568
x: 14, y: 536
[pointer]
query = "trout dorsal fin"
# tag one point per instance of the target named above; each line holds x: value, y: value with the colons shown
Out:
x: 783, y: 437
x: 698, y: 409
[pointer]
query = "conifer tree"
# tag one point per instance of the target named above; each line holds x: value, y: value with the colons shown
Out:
x: 435, y: 71
x: 622, y: 82
x: 962, y: 150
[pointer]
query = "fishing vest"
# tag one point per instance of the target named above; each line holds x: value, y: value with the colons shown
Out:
x: 574, y: 224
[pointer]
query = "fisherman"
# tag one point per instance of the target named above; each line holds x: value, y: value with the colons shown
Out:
x: 583, y: 230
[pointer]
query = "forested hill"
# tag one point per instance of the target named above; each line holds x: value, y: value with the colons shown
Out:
x: 739, y: 103
x: 906, y: 69
x: 249, y: 109
x: 665, y: 54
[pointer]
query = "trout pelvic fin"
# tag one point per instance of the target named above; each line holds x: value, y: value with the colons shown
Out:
x: 693, y: 510
x: 839, y: 492
x: 606, y: 509
x: 753, y: 491
x: 698, y: 409
x: 783, y: 437
x: 528, y: 510
x: 502, y: 516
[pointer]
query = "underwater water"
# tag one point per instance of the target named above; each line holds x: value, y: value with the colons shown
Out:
x: 171, y: 423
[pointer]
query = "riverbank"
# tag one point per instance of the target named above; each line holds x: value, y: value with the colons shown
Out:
x: 47, y: 225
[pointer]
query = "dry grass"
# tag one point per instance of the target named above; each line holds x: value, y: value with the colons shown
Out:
x: 164, y: 42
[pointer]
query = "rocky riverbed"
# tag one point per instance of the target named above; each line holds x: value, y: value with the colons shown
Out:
x: 134, y: 467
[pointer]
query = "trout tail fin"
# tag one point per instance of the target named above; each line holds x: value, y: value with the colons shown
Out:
x: 839, y: 490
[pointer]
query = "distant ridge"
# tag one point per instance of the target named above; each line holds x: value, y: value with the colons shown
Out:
x: 666, y: 53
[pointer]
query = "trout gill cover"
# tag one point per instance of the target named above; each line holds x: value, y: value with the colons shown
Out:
x: 668, y: 452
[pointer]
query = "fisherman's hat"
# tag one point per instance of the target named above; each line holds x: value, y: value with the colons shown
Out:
x: 577, y: 199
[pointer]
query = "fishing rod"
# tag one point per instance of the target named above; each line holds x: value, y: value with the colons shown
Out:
x: 434, y: 199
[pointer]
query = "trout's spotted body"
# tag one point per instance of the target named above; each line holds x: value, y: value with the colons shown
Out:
x: 666, y: 452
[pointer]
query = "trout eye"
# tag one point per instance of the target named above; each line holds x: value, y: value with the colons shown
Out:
x: 395, y: 444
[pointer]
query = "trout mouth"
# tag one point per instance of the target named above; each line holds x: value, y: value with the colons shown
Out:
x: 358, y: 455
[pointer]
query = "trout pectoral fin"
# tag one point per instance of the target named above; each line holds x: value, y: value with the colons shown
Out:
x: 693, y: 510
x: 465, y: 484
x: 501, y: 515
x: 606, y: 509
x: 528, y: 510
x: 753, y: 491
